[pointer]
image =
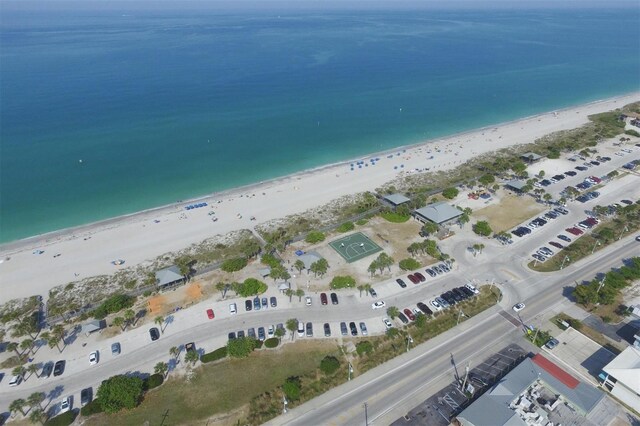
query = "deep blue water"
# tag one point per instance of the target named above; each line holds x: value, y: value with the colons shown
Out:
x: 167, y: 105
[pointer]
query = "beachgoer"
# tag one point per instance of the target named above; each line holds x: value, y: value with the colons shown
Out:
x: 341, y: 244
x: 361, y: 244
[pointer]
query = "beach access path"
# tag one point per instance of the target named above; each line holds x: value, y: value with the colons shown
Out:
x: 88, y: 251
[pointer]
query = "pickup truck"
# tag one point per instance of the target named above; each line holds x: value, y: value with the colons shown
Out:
x: 190, y: 347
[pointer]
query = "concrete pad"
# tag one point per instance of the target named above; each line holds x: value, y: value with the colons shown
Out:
x: 582, y: 355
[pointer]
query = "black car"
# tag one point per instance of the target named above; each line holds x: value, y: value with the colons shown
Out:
x: 581, y: 168
x: 334, y: 298
x: 461, y: 294
x: 595, y: 163
x: 403, y: 318
x: 58, y: 369
x: 274, y: 301
x: 564, y: 238
x: 354, y: 329
x: 570, y: 173
x: 343, y: 328
x: 251, y: 333
x: 627, y: 202
x: 448, y: 296
x: 232, y: 335
x: 545, y: 182
x: 430, y: 272
x: 248, y: 305
x: 240, y: 334
x: 424, y: 308
x: 47, y: 369
x: 401, y: 283
x: 154, y: 333
x: 86, y: 395
x: 309, y: 329
x: 466, y: 291
x: 327, y: 330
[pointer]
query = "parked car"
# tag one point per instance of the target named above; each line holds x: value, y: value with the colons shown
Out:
x: 251, y: 332
x: 373, y: 293
x: 65, y: 404
x: 232, y: 335
x: 557, y: 245
x: 353, y: 328
x: 261, y: 334
x: 233, y: 308
x: 472, y: 288
x: 154, y: 334
x: 300, y: 329
x: 309, y: 329
x: 403, y: 318
x: 248, y: 305
x: 47, y: 368
x: 15, y: 380
x: 334, y: 299
x: 387, y: 323
x: 420, y: 277
x: 401, y: 283
x: 271, y: 331
x: 518, y: 307
x: 437, y: 306
x: 307, y: 300
x: 58, y: 368
x: 430, y: 272
x: 86, y: 396
x: 240, y: 334
x: 424, y: 308
x: 210, y: 314
x: 93, y: 358
x: 327, y: 330
x: 343, y: 328
x: 409, y: 314
x: 564, y: 238
x: 363, y: 329
x: 256, y: 304
x: 274, y: 301
x: 378, y: 304
x: 552, y: 343
x: 413, y: 278
x: 323, y: 298
x: 265, y: 303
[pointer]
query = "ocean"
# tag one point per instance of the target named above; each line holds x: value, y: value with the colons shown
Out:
x: 111, y: 111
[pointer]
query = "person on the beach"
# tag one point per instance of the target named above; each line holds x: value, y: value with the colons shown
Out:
x: 361, y: 244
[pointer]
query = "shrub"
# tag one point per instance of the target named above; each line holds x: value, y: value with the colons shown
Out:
x: 270, y: 260
x: 147, y: 293
x: 233, y: 265
x: 346, y: 227
x: 632, y: 133
x: 241, y: 348
x: 482, y: 228
x: 342, y: 282
x: 291, y: 388
x: 63, y: 419
x: 364, y: 347
x: 215, y: 355
x: 120, y: 392
x: 329, y: 364
x: 315, y: 237
x: 91, y: 408
x: 395, y: 217
x: 409, y: 264
x: 154, y: 381
x: 361, y: 222
x: 271, y: 343
x: 251, y: 287
x: 450, y: 193
x: 113, y: 304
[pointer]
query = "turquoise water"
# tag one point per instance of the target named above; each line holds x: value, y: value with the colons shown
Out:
x: 162, y: 105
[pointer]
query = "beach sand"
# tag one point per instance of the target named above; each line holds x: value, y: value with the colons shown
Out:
x: 88, y: 250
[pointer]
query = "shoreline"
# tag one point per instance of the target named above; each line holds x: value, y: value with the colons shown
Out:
x: 43, y: 240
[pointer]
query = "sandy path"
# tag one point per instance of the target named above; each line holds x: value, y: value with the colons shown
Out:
x: 88, y: 251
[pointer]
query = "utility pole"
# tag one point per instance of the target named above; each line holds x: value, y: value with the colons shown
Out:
x: 595, y: 245
x: 601, y: 284
x: 564, y: 260
x: 409, y: 340
x: 453, y: 362
x: 366, y: 415
x: 350, y: 371
x: 460, y: 313
x: 284, y: 404
x: 466, y: 375
x: 626, y: 228
x: 535, y: 336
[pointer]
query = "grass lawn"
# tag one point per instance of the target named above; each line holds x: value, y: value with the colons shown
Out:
x: 222, y: 387
x: 394, y: 217
x: 509, y: 212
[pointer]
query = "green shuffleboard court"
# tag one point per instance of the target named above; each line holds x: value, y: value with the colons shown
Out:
x: 355, y: 247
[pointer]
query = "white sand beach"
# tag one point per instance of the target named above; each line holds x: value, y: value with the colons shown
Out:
x: 88, y: 251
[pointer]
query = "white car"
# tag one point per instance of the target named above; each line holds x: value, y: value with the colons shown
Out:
x: 65, y: 405
x: 15, y: 380
x: 518, y: 307
x: 472, y: 288
x: 233, y: 309
x: 308, y: 300
x: 93, y: 358
x: 378, y: 305
x: 387, y: 323
x: 435, y: 305
x: 271, y: 332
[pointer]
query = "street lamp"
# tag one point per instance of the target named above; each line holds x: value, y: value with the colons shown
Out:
x: 601, y: 284
x: 284, y: 404
x: 409, y: 340
x: 350, y: 371
x: 595, y: 245
x: 460, y: 313
x: 563, y: 261
x: 626, y: 228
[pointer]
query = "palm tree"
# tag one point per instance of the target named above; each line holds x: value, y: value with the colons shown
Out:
x: 36, y: 398
x: 33, y: 368
x: 161, y: 368
x: 174, y: 352
x: 299, y: 265
x: 13, y: 346
x: 373, y: 268
x: 367, y: 288
x: 292, y: 326
x: 160, y: 321
x: 18, y: 405
x: 191, y: 357
x: 360, y: 288
x: 58, y: 335
x: 299, y: 293
x: 119, y: 322
x: 392, y: 311
x: 290, y: 293
x: 38, y: 416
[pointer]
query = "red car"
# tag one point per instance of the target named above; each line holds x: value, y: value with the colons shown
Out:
x: 419, y: 276
x: 323, y: 298
x: 413, y: 278
x: 210, y: 314
x: 574, y: 231
x: 595, y: 179
x: 409, y: 314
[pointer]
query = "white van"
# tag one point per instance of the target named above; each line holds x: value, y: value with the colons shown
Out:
x: 233, y: 309
x: 300, y: 329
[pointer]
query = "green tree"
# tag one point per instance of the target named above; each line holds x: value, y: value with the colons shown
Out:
x: 242, y: 347
x: 191, y: 357
x: 251, y: 287
x: 279, y: 333
x: 314, y: 237
x: 159, y: 320
x: 384, y: 261
x: 35, y: 399
x: 292, y: 326
x: 13, y: 346
x: 129, y: 316
x: 37, y: 415
x: 487, y: 179
x: 319, y: 267
x: 421, y: 321
x: 119, y: 322
x: 161, y: 368
x: 299, y: 265
x: 329, y: 364
x: 392, y: 312
x: 120, y: 392
x: 26, y: 345
x: 33, y: 369
x: 519, y: 167
x: 373, y: 267
x: 288, y: 292
x: 450, y: 193
x: 483, y: 228
x: 233, y: 265
x: 19, y: 371
x: 222, y: 288
x: 429, y: 228
x: 342, y: 281
x: 586, y: 294
x: 299, y: 293
x: 174, y: 351
x: 291, y: 388
x: 17, y: 405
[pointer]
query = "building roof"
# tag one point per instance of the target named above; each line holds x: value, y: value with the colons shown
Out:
x: 516, y: 184
x: 396, y: 199
x: 168, y: 275
x: 531, y: 156
x: 567, y: 379
x: 92, y: 326
x: 492, y: 408
x: 626, y: 368
x: 264, y: 272
x: 439, y: 212
x: 308, y: 258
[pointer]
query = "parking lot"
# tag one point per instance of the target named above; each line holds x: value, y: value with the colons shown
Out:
x: 438, y: 409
